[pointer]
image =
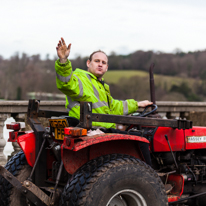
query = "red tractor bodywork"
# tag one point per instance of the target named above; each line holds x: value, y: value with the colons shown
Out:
x: 180, y: 140
x: 175, y: 136
x: 90, y: 147
x: 77, y: 150
x: 26, y: 141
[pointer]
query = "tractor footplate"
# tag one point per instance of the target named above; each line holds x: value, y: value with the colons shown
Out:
x: 27, y: 188
x: 168, y: 188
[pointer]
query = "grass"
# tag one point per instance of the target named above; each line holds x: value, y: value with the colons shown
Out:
x: 113, y: 77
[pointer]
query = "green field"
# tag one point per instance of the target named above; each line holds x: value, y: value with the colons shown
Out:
x: 114, y: 77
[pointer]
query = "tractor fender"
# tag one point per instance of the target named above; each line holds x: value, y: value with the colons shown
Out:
x: 28, y: 145
x: 77, y: 151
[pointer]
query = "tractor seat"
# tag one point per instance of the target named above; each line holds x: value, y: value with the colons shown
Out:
x: 72, y: 121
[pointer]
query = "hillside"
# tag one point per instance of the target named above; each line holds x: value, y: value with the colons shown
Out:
x: 179, y: 76
x: 135, y: 84
x: 113, y: 77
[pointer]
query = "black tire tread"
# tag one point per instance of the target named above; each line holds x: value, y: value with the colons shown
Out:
x: 78, y: 188
x: 15, y: 165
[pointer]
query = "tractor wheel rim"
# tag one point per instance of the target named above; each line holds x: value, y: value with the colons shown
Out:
x: 127, y: 198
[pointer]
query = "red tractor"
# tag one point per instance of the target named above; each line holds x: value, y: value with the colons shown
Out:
x: 64, y: 164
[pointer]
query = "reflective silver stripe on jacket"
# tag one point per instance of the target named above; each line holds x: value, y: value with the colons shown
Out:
x: 125, y: 107
x: 96, y: 93
x: 75, y: 103
x: 71, y: 103
x: 66, y: 79
x: 99, y: 103
x: 63, y: 79
x: 94, y: 88
x: 80, y: 87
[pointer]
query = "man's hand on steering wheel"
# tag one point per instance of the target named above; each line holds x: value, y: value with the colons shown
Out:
x: 144, y: 103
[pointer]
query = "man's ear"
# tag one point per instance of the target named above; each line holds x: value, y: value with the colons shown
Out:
x: 88, y: 62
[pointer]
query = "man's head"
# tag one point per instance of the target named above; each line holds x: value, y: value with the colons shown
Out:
x: 98, y: 64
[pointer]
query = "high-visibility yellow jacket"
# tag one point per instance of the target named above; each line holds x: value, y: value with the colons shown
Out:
x: 82, y: 85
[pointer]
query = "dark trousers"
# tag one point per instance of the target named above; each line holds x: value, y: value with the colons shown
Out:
x: 144, y: 147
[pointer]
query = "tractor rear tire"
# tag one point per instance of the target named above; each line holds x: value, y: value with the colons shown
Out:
x: 18, y: 166
x: 114, y: 180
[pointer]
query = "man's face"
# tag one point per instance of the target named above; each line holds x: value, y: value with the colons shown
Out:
x: 98, y: 65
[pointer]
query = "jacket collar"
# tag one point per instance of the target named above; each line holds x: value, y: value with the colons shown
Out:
x: 92, y: 75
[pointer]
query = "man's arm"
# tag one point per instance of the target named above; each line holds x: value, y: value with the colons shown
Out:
x: 128, y: 106
x: 119, y: 107
x: 63, y: 51
x: 65, y: 80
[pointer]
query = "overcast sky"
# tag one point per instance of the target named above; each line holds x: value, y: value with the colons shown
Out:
x: 122, y: 26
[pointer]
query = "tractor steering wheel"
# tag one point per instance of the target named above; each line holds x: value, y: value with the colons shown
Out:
x: 143, y: 114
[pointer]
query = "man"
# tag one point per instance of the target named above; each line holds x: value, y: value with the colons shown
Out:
x: 89, y: 86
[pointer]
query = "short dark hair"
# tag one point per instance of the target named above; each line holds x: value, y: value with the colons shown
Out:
x: 91, y: 55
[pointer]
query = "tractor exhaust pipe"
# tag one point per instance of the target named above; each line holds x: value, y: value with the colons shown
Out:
x: 152, y: 86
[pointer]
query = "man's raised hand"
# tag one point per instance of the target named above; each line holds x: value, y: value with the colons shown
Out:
x: 63, y: 51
